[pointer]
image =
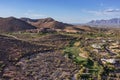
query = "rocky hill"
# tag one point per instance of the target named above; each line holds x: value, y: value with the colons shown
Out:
x: 13, y: 24
x: 46, y: 23
x: 56, y: 25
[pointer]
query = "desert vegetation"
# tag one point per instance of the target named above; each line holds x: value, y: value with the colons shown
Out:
x: 60, y: 55
x: 50, y: 53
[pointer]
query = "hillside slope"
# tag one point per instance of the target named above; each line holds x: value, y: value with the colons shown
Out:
x: 11, y: 24
x: 21, y: 60
x: 46, y: 23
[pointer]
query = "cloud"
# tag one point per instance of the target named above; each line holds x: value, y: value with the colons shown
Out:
x: 95, y: 12
x: 108, y: 11
x: 112, y: 10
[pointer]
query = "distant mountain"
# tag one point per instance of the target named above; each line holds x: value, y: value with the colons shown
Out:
x: 46, y: 23
x: 13, y: 24
x: 114, y: 22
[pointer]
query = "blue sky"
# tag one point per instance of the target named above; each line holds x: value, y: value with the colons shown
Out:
x: 71, y: 11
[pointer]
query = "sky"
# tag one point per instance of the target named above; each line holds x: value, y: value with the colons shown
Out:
x: 70, y: 11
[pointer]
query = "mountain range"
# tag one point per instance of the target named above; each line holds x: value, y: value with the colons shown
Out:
x: 12, y: 24
x: 114, y: 22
